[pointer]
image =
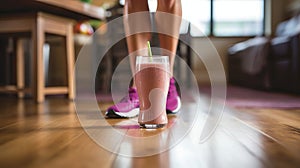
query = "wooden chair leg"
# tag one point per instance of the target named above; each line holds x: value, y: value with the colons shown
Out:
x: 20, y: 68
x: 70, y: 62
x: 38, y: 39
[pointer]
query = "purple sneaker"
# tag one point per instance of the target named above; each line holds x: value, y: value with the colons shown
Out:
x: 173, y: 99
x: 127, y: 107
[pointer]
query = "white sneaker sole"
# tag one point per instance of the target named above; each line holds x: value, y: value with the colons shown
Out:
x: 132, y: 113
x: 135, y: 112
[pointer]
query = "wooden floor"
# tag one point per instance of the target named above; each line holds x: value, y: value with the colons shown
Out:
x: 50, y: 135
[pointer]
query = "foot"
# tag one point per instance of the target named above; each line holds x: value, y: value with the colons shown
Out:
x: 128, y: 107
x: 173, y: 99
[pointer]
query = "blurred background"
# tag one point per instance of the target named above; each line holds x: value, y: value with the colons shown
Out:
x: 257, y: 40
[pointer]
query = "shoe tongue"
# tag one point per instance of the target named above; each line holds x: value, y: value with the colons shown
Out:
x: 172, y: 87
x: 132, y: 90
x: 132, y: 93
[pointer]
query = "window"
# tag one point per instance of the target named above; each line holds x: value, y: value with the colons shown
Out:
x: 225, y: 17
x: 221, y: 17
x: 238, y: 17
x: 198, y: 12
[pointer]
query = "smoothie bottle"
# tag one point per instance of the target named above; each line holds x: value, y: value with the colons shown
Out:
x: 152, y: 82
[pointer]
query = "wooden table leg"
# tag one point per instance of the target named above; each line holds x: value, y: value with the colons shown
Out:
x: 20, y: 68
x: 70, y: 61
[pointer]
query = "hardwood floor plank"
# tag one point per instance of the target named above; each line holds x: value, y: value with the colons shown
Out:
x: 44, y: 116
x: 52, y: 135
x: 15, y: 110
x: 81, y: 152
x: 22, y: 128
x: 282, y: 125
x: 39, y: 144
x: 190, y: 153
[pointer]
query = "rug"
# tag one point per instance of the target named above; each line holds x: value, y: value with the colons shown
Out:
x: 241, y: 97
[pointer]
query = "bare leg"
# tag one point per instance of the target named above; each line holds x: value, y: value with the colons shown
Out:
x: 136, y: 42
x: 168, y: 25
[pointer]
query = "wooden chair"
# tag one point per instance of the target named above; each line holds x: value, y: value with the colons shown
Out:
x: 38, y: 24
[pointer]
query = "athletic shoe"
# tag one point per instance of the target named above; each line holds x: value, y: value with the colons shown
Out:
x: 173, y: 99
x: 128, y: 107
